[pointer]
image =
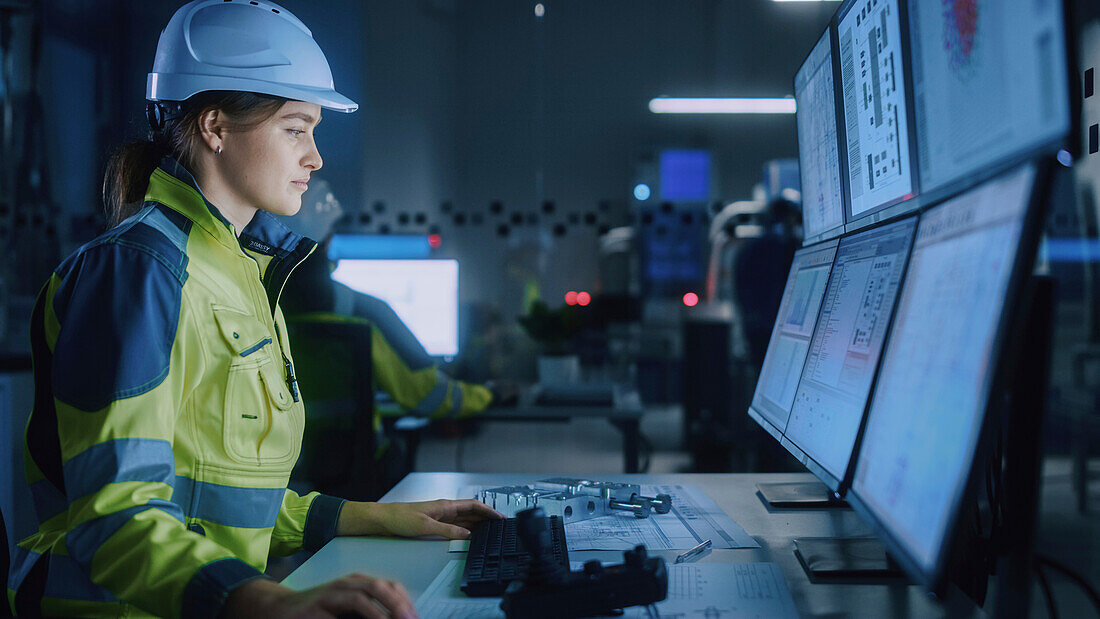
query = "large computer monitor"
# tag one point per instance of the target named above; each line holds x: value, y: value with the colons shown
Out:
x: 844, y: 353
x: 918, y: 448
x: 875, y: 112
x: 818, y: 149
x: 424, y: 293
x: 990, y: 80
x: 794, y: 326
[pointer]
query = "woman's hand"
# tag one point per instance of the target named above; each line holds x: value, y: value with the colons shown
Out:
x: 354, y: 594
x: 445, y: 518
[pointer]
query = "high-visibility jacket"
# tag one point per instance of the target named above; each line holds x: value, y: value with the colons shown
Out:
x: 403, y: 369
x: 166, y: 418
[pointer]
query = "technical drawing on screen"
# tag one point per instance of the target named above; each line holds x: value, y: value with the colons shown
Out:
x: 929, y: 402
x: 844, y: 353
x: 818, y: 149
x: 875, y: 117
x: 794, y: 326
x: 989, y: 81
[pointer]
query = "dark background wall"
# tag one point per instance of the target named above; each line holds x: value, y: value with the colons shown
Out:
x: 470, y: 102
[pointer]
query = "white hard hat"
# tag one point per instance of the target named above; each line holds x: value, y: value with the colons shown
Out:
x: 251, y: 46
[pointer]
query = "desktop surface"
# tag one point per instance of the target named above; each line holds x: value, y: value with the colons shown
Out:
x: 415, y: 563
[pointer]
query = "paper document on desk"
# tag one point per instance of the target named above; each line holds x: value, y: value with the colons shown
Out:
x: 694, y: 519
x: 727, y: 590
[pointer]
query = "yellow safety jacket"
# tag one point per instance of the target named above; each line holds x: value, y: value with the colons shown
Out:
x: 166, y: 418
x: 402, y: 368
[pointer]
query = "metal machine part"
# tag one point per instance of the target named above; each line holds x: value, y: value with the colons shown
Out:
x: 575, y: 499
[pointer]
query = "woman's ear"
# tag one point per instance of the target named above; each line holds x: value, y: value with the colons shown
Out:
x: 212, y: 129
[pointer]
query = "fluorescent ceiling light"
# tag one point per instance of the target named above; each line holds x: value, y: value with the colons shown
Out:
x: 674, y: 105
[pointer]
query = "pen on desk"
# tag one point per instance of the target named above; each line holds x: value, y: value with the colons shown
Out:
x: 694, y: 552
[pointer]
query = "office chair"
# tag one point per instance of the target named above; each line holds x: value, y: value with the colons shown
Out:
x: 339, y: 448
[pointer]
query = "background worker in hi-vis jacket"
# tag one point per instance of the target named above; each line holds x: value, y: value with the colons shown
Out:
x: 400, y: 366
x: 167, y: 416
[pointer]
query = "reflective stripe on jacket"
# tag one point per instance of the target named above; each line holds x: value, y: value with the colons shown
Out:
x: 164, y: 426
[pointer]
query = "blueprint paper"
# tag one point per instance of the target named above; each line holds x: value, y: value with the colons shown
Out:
x: 725, y: 590
x: 694, y: 519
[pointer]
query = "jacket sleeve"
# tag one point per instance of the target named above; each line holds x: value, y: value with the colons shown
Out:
x: 118, y: 383
x: 426, y: 391
x: 305, y: 522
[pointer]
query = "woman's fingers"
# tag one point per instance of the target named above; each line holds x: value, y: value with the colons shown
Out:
x: 391, y: 595
x: 352, y: 600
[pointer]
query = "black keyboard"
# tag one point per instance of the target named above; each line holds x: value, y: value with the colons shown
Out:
x: 496, y: 556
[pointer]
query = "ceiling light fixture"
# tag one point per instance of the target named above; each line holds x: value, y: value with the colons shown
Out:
x: 682, y: 105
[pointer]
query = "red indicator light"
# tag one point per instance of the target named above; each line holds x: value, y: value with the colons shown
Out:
x: 583, y: 298
x: 691, y: 299
x: 434, y: 241
x: 908, y: 196
x: 571, y: 297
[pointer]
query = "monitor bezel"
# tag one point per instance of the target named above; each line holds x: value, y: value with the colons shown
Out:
x: 1019, y: 280
x: 838, y: 230
x: 840, y: 485
x: 900, y: 205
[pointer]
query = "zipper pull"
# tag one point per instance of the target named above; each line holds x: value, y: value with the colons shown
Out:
x: 291, y: 380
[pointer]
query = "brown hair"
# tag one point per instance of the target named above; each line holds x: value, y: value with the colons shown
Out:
x: 127, y: 177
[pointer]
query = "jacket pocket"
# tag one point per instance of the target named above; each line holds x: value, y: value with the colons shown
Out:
x: 259, y: 427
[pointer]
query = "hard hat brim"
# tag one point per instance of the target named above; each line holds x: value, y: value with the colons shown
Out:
x: 180, y: 87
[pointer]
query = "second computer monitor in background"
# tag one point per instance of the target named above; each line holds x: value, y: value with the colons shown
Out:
x: 874, y: 109
x: 989, y: 83
x: 927, y: 411
x: 844, y: 353
x: 794, y: 326
x: 424, y: 293
x: 818, y: 153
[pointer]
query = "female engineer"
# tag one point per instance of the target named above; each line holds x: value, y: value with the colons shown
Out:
x: 167, y: 417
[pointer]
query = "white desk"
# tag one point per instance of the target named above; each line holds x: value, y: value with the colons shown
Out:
x: 415, y: 563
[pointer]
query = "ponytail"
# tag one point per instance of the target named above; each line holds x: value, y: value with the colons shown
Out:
x: 127, y: 176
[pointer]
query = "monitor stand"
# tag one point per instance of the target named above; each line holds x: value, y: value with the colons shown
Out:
x: 810, y: 494
x: 828, y: 559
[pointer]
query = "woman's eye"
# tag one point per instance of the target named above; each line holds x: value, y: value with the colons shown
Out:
x: 296, y: 132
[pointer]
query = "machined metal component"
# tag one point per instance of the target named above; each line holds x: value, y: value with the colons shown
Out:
x: 575, y: 499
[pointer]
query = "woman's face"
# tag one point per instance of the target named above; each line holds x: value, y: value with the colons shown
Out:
x: 270, y: 163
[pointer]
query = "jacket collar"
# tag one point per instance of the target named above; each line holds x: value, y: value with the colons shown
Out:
x: 173, y: 185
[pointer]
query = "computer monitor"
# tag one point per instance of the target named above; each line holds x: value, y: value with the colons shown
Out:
x: 685, y: 175
x: 424, y: 293
x: 794, y: 326
x: 925, y: 419
x: 988, y: 84
x: 845, y: 349
x: 818, y: 149
x: 872, y: 73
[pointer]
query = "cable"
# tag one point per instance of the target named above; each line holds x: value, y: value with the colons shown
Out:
x: 1044, y: 584
x: 1072, y: 575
